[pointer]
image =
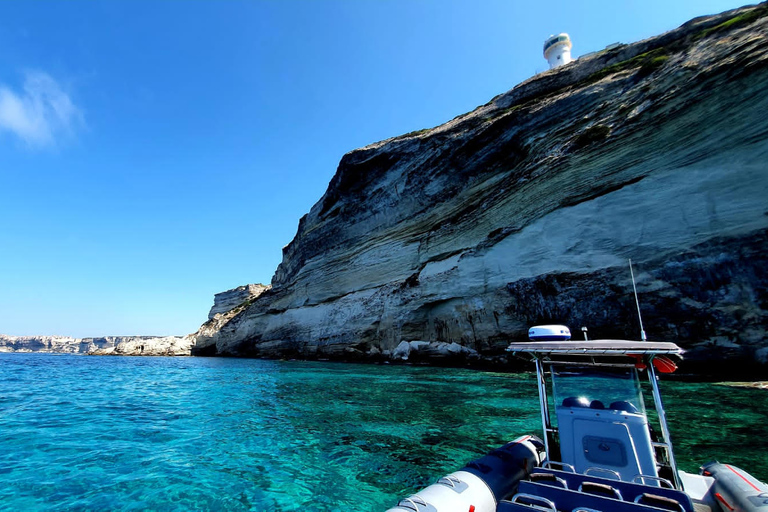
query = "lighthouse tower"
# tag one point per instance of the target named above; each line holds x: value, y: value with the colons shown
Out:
x: 557, y: 50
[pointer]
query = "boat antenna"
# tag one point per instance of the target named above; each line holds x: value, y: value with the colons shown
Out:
x: 637, y: 302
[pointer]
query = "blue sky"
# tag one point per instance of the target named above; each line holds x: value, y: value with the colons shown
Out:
x: 153, y: 154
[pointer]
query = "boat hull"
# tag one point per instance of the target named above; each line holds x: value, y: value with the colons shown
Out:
x: 735, y: 489
x: 481, y: 484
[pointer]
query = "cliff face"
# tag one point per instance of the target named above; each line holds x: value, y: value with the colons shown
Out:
x: 140, y: 346
x: 526, y: 210
x: 61, y: 344
x: 109, y: 345
x: 225, y: 305
x: 225, y: 302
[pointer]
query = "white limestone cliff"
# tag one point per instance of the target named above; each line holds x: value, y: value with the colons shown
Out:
x: 107, y: 345
x: 224, y: 305
x: 526, y: 210
x: 60, y: 344
x: 226, y: 301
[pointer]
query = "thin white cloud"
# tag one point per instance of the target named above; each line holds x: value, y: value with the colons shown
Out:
x: 41, y: 114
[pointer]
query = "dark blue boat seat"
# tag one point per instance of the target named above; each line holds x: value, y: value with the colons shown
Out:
x: 525, y: 503
x: 629, y: 491
x: 508, y: 506
x: 654, y: 500
x: 549, y: 479
x: 600, y: 489
x: 575, y: 401
x: 566, y: 500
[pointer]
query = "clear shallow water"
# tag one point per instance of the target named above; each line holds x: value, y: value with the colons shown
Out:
x: 119, y: 433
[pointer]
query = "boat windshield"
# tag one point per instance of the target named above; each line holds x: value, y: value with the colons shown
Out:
x: 615, y: 388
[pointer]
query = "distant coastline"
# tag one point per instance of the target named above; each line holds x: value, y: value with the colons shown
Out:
x: 420, y: 353
x: 105, y: 345
x: 756, y: 385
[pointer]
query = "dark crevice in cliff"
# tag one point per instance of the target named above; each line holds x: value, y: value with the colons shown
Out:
x: 207, y: 351
x: 599, y: 191
x: 354, y: 174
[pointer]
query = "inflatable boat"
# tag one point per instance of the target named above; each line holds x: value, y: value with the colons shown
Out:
x: 599, y: 452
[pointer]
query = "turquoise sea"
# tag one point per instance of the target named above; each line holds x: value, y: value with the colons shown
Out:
x: 120, y: 433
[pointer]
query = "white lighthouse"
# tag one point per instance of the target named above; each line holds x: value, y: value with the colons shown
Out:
x: 557, y: 50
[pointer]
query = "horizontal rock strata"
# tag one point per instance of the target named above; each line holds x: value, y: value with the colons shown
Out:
x: 527, y: 209
x: 142, y: 346
x: 109, y: 345
x: 226, y: 301
x: 60, y: 344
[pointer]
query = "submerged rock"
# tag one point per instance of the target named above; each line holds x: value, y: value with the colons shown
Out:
x: 527, y: 209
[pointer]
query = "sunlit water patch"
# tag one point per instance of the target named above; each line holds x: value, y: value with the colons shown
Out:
x: 112, y: 433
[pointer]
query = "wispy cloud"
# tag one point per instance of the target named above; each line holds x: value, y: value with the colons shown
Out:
x: 41, y: 114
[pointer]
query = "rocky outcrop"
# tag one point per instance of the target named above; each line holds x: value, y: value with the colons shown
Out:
x: 226, y: 301
x: 432, y: 351
x: 60, y: 344
x: 225, y: 305
x: 204, y: 343
x: 527, y: 209
x: 140, y: 346
x: 109, y: 345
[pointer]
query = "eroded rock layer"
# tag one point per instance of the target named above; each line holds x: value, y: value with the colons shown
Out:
x: 226, y: 301
x: 108, y: 345
x: 527, y: 209
x: 61, y: 344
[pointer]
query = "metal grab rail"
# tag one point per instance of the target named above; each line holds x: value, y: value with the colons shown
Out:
x: 450, y: 481
x: 563, y: 465
x: 414, y: 502
x: 640, y: 479
x: 532, y: 500
x: 594, y: 469
x: 453, y: 483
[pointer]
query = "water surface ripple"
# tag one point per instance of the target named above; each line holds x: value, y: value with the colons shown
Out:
x: 119, y: 433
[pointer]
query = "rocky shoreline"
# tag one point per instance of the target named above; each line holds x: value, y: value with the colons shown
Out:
x: 526, y: 210
x: 442, y: 245
x: 107, y: 345
x: 409, y: 353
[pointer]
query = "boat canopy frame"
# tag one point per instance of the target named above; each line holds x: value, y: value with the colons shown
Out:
x: 601, y: 353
